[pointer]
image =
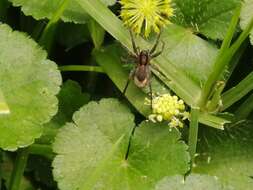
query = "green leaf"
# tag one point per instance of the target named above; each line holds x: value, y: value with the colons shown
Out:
x: 237, y: 92
x: 98, y: 159
x: 208, y: 17
x: 97, y: 33
x: 189, y: 53
x: 46, y: 8
x: 228, y: 156
x: 158, y: 151
x: 192, y: 182
x: 110, y: 59
x: 175, y: 78
x: 96, y: 129
x: 247, y: 15
x: 29, y: 83
x: 4, y: 108
x: 70, y: 99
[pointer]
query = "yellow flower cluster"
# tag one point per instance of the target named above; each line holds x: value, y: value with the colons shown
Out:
x: 146, y: 15
x: 168, y: 108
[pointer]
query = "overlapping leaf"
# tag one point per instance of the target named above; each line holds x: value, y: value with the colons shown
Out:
x: 247, y: 15
x: 46, y: 8
x: 192, y: 182
x: 189, y: 53
x: 70, y: 100
x: 208, y: 17
x: 91, y: 151
x: 229, y: 157
x: 29, y: 83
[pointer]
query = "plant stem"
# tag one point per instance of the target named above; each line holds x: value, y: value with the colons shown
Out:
x: 47, y: 37
x: 193, y: 133
x: 82, y: 68
x: 42, y: 150
x: 236, y: 93
x: 231, y: 29
x: 18, y: 169
x: 222, y: 59
x: 245, y: 109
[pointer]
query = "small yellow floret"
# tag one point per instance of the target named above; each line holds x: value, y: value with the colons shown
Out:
x: 168, y: 108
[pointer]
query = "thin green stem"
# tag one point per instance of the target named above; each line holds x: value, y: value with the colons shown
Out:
x: 193, y: 133
x: 236, y: 93
x: 42, y: 150
x: 47, y: 37
x: 82, y: 68
x: 245, y: 109
x: 231, y: 29
x: 18, y: 169
x: 224, y: 57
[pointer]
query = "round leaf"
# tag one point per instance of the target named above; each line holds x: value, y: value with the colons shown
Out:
x: 247, y: 15
x: 97, y: 130
x: 46, y: 8
x: 157, y: 151
x: 70, y: 99
x: 91, y: 151
x: 192, y: 182
x: 229, y: 157
x: 29, y: 82
x: 208, y: 17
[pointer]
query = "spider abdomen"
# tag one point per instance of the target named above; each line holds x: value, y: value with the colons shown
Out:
x: 141, y: 77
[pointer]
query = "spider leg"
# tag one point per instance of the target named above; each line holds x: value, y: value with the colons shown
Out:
x: 156, y: 44
x: 126, y: 86
x: 135, y: 48
x: 128, y: 81
x: 158, y: 53
x: 151, y: 95
x: 126, y: 59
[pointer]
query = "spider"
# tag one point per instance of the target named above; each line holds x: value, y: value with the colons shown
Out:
x: 141, y: 74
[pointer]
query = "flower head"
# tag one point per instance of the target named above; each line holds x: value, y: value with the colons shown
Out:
x: 146, y: 14
x: 168, y: 108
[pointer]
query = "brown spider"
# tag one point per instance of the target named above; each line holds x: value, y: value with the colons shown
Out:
x: 141, y: 74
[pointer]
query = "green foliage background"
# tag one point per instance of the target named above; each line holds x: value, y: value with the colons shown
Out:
x: 65, y: 125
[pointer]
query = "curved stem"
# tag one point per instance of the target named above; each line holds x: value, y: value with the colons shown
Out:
x: 82, y: 68
x: 18, y: 170
x: 193, y: 133
x: 47, y: 36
